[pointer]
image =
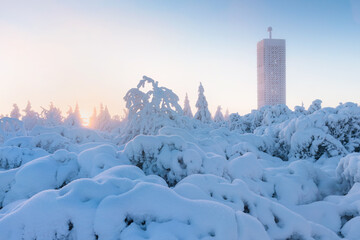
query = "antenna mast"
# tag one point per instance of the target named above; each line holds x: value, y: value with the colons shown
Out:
x: 269, y: 30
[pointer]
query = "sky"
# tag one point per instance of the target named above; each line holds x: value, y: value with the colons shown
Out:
x: 91, y: 51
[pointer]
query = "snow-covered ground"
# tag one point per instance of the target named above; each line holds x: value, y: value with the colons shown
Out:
x: 161, y: 174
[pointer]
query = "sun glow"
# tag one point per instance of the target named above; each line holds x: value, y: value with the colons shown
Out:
x: 85, y: 119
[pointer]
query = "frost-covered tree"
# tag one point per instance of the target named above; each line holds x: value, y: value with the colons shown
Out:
x: 218, y: 115
x: 74, y: 118
x: 315, y: 105
x: 202, y: 113
x: 187, y: 108
x: 93, y: 119
x: 227, y: 114
x: 103, y: 120
x: 9, y: 128
x: 31, y: 118
x: 52, y: 116
x: 15, y: 113
x: 149, y: 111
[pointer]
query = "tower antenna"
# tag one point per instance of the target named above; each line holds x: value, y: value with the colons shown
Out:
x: 269, y: 30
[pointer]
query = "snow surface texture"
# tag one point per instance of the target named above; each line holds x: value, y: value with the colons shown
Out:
x: 271, y: 174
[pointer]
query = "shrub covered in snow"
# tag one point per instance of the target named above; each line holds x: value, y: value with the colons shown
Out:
x: 348, y: 170
x: 171, y: 158
x: 320, y: 132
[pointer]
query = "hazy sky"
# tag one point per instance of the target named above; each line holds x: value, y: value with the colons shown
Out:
x: 92, y: 52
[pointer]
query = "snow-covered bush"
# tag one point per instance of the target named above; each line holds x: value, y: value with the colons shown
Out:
x: 260, y: 119
x: 95, y: 160
x: 14, y: 156
x: 51, y: 142
x: 344, y: 125
x: 236, y: 123
x: 49, y: 172
x: 348, y: 170
x: 171, y: 158
x: 315, y: 105
x: 319, y: 132
x: 245, y: 166
x: 75, y: 135
x: 278, y: 221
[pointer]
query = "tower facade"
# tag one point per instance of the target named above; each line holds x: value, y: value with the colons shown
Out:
x: 271, y: 71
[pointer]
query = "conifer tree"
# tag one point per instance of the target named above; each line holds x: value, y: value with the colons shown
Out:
x: 187, y: 108
x: 15, y: 113
x: 52, y: 116
x: 31, y: 118
x: 104, y: 119
x: 218, y: 115
x: 202, y: 113
x: 227, y: 114
x: 74, y: 117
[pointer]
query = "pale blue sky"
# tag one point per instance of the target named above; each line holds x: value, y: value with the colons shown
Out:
x: 94, y: 51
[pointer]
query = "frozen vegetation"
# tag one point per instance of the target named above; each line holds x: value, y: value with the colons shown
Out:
x: 162, y: 174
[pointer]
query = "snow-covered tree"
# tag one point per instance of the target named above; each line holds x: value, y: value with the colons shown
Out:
x: 9, y: 128
x: 300, y: 110
x: 218, y: 115
x: 52, y: 116
x: 15, y: 113
x: 74, y: 118
x: 31, y: 118
x: 227, y: 114
x: 315, y: 105
x: 187, y: 108
x: 103, y: 120
x: 93, y: 119
x: 202, y: 113
x: 149, y: 111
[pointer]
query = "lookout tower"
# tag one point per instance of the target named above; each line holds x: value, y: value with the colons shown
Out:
x: 271, y: 71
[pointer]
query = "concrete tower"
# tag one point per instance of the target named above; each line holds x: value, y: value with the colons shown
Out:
x: 271, y: 71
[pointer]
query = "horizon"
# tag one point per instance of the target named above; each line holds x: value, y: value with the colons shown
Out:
x: 90, y: 52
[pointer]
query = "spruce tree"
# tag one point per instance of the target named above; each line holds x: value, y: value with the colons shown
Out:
x: 203, y: 113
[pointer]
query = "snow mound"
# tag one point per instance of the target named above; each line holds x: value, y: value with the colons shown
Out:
x: 49, y: 172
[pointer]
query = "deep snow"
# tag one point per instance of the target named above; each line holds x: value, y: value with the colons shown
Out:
x: 271, y: 174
